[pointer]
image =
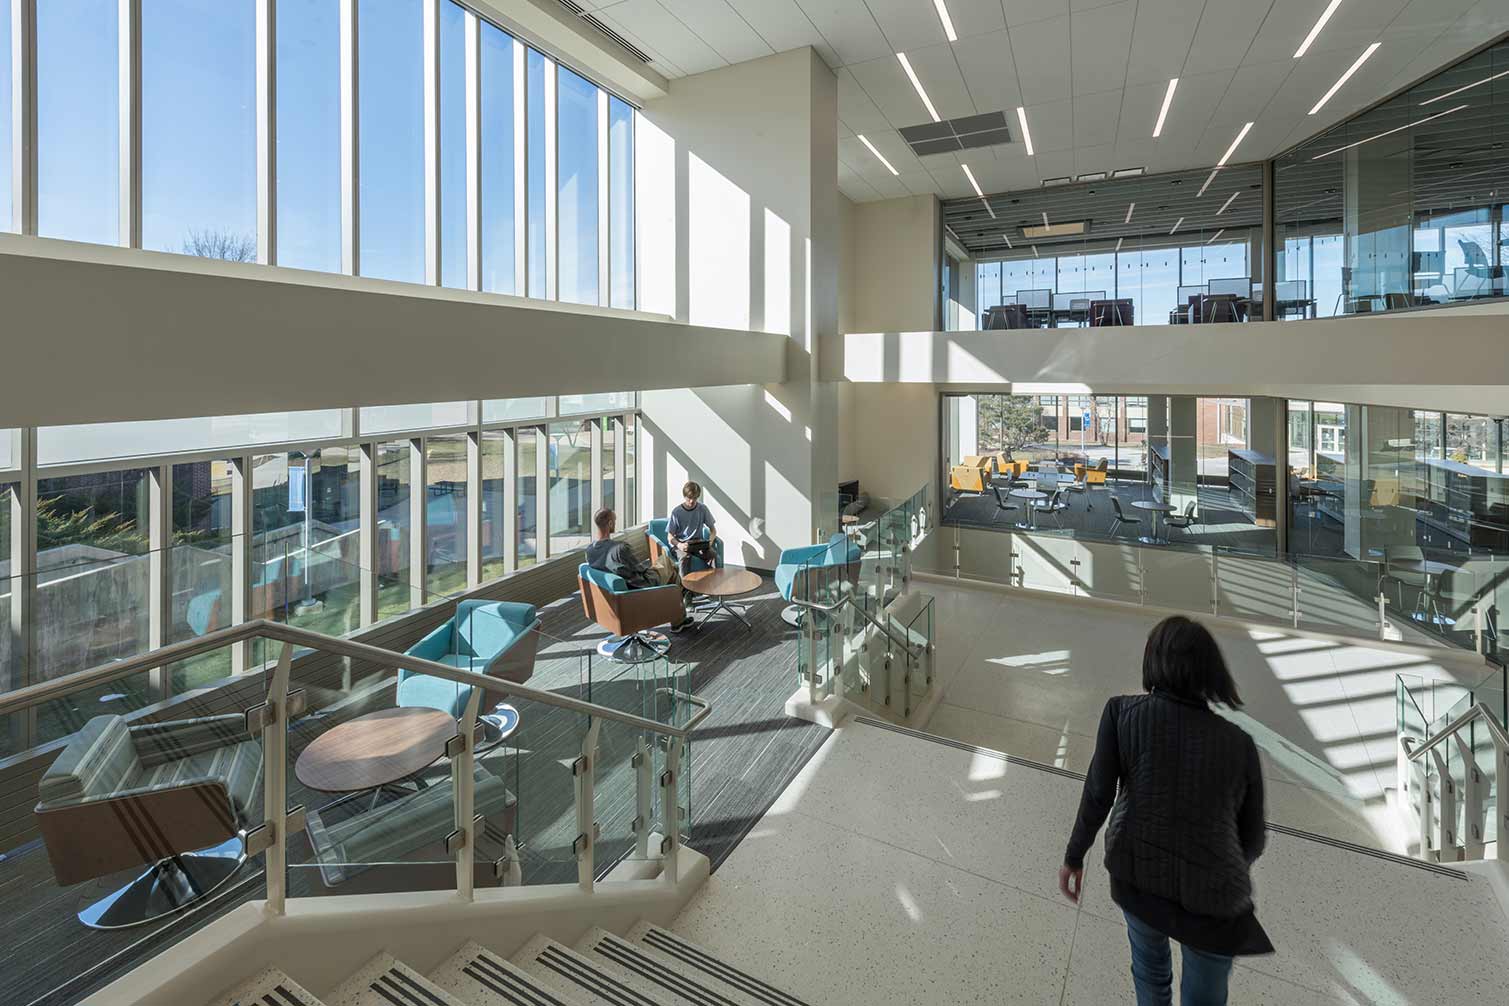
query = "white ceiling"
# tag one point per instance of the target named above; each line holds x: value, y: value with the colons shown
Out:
x: 1091, y: 73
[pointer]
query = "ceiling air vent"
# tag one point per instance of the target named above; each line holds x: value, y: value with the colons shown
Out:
x: 615, y: 37
x: 986, y: 130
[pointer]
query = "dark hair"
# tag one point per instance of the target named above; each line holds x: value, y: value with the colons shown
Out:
x: 603, y: 518
x: 1183, y: 660
x: 692, y: 490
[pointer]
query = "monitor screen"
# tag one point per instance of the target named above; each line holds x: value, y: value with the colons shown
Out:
x: 1241, y: 287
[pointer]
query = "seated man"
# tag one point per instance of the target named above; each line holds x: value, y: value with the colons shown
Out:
x: 687, y: 525
x: 616, y: 557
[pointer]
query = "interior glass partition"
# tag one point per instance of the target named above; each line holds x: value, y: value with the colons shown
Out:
x: 1397, y: 207
x: 445, y: 512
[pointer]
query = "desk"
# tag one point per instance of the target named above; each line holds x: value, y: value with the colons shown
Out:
x: 1032, y: 496
x: 1155, y: 509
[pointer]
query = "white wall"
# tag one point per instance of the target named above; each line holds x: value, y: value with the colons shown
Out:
x: 110, y: 334
x: 898, y: 254
x: 895, y: 445
x: 740, y: 226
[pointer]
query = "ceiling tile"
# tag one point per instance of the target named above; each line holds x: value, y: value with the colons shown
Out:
x: 938, y: 70
x: 1089, y: 159
x: 855, y: 107
x: 1099, y: 42
x: 1051, y: 124
x: 849, y: 28
x: 886, y: 84
x: 907, y: 24
x: 920, y: 182
x: 721, y: 27
x: 1028, y: 11
x: 1040, y: 50
x: 1096, y: 117
x: 989, y: 72
x: 1226, y: 29
x: 1161, y: 38
x: 976, y: 17
x: 783, y: 26
x: 671, y: 37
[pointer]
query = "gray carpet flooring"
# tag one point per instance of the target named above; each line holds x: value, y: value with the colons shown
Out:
x: 743, y: 755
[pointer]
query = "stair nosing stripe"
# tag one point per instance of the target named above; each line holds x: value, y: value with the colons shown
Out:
x: 497, y: 972
x: 515, y: 996
x: 668, y: 979
x: 387, y: 995
x: 387, y: 982
x: 583, y: 975
x: 419, y: 989
x: 288, y: 997
x: 698, y: 958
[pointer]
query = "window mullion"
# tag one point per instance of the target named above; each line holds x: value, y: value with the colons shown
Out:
x: 431, y: 87
x: 604, y: 205
x: 350, y: 140
x: 129, y: 70
x: 267, y: 132
x: 23, y: 14
x: 473, y: 151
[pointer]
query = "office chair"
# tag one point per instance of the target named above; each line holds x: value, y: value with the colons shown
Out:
x: 1183, y: 521
x: 1120, y: 518
x: 1054, y: 506
x: 1001, y: 505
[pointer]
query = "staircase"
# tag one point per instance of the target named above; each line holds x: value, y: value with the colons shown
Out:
x: 650, y: 966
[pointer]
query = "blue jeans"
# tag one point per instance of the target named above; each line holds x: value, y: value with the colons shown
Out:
x: 1205, y: 975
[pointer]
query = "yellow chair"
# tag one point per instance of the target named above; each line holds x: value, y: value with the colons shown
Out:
x: 966, y: 479
x: 1006, y: 466
x: 1091, y: 476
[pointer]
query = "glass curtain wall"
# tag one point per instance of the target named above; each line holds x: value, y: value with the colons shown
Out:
x: 1398, y: 207
x: 555, y: 197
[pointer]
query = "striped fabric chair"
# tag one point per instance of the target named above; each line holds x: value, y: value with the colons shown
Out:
x: 174, y: 796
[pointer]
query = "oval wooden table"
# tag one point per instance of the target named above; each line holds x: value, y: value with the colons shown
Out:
x: 721, y: 584
x: 375, y: 750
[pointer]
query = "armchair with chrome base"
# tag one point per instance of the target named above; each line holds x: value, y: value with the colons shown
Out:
x: 660, y: 544
x: 496, y: 638
x: 175, y: 796
x: 839, y: 557
x: 631, y: 614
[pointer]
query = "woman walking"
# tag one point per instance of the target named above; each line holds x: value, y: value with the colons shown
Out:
x: 1184, y: 791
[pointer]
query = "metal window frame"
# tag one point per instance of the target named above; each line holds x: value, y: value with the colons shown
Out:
x: 23, y: 52
x: 128, y: 69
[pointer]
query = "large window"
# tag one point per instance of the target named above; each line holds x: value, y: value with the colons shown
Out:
x: 78, y: 121
x: 537, y: 76
x: 445, y: 513
x: 577, y: 175
x: 199, y: 128
x: 570, y: 485
x: 452, y: 145
x: 6, y: 221
x: 309, y: 135
x: 499, y: 171
x: 621, y: 203
x: 391, y: 92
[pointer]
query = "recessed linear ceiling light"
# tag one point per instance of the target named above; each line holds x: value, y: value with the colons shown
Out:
x: 1389, y: 132
x: 1209, y: 178
x: 878, y: 155
x: 1093, y: 176
x: 1241, y: 135
x: 948, y: 22
x: 1130, y: 207
x: 1346, y: 76
x: 1021, y: 118
x: 911, y: 75
x: 1229, y: 200
x: 1034, y: 251
x: 1168, y: 99
x: 1118, y: 243
x: 1176, y: 225
x: 1464, y: 87
x: 1216, y: 235
x: 1007, y: 240
x: 973, y: 184
x: 1045, y: 218
x: 1128, y: 172
x: 1325, y: 16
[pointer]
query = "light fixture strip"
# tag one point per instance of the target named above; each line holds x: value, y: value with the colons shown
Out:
x: 1007, y: 240
x: 1216, y: 235
x: 1209, y: 178
x: 1021, y: 118
x: 1464, y: 87
x: 1242, y: 135
x: 1130, y: 207
x: 973, y: 184
x: 878, y: 155
x: 948, y: 22
x: 1118, y: 243
x: 1345, y: 77
x: 1168, y: 99
x: 1174, y: 228
x: 1229, y: 200
x: 1389, y: 132
x: 1045, y: 219
x: 911, y: 75
x: 1325, y: 16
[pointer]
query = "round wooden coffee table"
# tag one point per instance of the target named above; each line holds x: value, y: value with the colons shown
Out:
x: 375, y: 750
x: 720, y: 585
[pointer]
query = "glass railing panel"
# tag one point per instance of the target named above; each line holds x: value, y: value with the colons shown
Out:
x: 1255, y: 589
x: 1338, y: 595
x: 122, y: 829
x: 1177, y: 577
x: 1110, y: 571
x: 988, y: 555
x: 367, y: 758
x: 1047, y: 562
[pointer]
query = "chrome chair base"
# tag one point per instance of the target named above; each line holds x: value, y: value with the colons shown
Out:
x: 794, y: 615
x: 640, y: 648
x: 167, y: 887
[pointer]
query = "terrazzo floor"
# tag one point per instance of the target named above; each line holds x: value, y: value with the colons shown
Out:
x: 1030, y: 675
x: 897, y: 869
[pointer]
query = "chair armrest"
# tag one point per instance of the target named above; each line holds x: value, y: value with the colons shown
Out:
x: 174, y: 740
x: 436, y: 643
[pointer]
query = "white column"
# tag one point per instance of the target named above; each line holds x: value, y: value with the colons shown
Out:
x: 418, y: 532
x: 473, y: 508
x: 368, y: 537
x: 160, y: 570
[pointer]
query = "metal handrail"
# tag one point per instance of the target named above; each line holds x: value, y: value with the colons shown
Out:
x: 848, y: 599
x: 23, y: 698
x: 1478, y: 711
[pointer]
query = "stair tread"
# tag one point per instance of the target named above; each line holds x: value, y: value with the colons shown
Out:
x: 564, y: 969
x: 385, y: 980
x: 707, y: 968
x: 270, y: 988
x: 479, y: 977
x: 629, y: 964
